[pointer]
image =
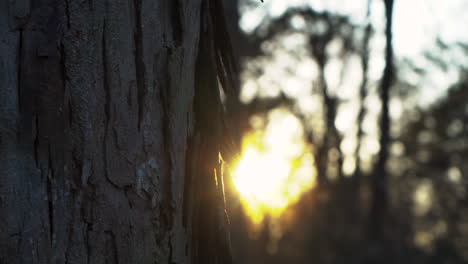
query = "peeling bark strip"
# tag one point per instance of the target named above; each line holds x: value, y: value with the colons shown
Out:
x: 98, y: 102
x: 204, y: 204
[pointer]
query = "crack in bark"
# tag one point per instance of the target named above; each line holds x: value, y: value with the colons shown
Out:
x: 88, y: 245
x: 67, y: 13
x: 139, y: 64
x: 104, y: 78
x: 111, y: 247
x: 19, y: 60
x: 36, y: 141
x: 70, y: 113
x: 50, y: 196
x: 63, y: 66
x: 107, y: 104
x: 176, y: 19
x: 91, y: 5
x: 165, y: 99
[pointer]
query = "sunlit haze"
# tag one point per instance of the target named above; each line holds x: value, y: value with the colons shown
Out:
x: 275, y: 167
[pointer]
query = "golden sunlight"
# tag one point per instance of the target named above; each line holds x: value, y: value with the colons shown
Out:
x: 275, y: 167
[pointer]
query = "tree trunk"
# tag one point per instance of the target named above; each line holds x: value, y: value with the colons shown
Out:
x: 96, y: 115
x: 379, y: 207
x: 363, y: 90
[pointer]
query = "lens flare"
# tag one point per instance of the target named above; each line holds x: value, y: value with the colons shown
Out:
x: 275, y: 167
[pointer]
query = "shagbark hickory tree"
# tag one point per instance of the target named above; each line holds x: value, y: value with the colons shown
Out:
x: 110, y: 129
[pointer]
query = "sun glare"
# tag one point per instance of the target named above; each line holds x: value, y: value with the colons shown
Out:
x: 275, y: 167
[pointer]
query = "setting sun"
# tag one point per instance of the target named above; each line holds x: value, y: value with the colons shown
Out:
x: 275, y: 167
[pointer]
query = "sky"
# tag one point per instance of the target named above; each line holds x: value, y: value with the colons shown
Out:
x: 417, y: 24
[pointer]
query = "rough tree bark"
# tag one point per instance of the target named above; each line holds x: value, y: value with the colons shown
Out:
x: 96, y: 118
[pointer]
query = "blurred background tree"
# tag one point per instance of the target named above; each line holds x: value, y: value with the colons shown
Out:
x: 385, y: 122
